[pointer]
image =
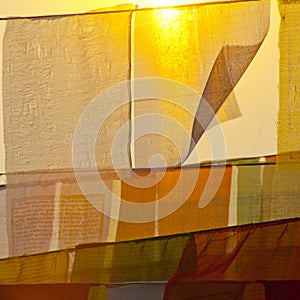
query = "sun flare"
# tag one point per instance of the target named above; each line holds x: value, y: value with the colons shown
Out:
x: 167, y: 15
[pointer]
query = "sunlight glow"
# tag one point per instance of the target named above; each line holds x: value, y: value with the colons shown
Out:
x: 167, y: 17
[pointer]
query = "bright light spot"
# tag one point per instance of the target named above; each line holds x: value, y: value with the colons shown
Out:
x: 167, y: 15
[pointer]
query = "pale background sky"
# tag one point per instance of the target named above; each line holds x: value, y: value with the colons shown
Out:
x: 35, y: 7
x: 253, y: 134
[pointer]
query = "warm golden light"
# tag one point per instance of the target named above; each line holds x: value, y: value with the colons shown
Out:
x: 167, y: 17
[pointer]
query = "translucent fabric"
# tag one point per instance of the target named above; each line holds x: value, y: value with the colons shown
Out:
x: 59, y: 73
x: 196, y: 46
x: 71, y: 181
x: 162, y: 227
x: 47, y: 211
x: 52, y: 68
x: 288, y: 115
x: 247, y: 262
x: 220, y: 264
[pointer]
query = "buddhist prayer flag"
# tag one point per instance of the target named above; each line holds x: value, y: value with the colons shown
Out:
x: 109, y: 190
